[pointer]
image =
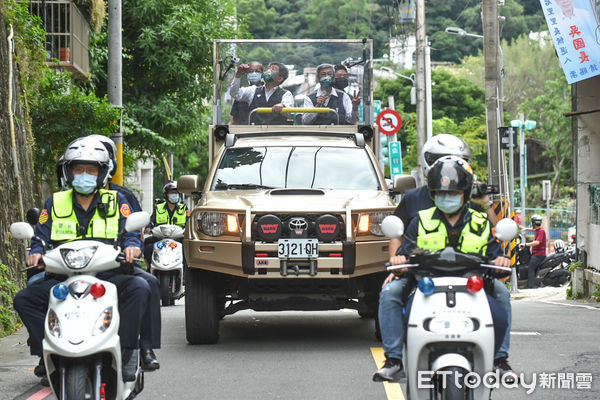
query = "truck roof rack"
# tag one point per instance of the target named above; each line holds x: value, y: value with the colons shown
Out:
x: 358, y: 138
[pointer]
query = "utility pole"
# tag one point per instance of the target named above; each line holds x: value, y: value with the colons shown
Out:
x: 115, y: 78
x: 421, y: 85
x: 493, y: 91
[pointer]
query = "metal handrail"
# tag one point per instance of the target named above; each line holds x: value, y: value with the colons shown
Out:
x: 295, y: 110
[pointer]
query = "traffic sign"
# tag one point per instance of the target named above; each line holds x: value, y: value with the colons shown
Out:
x: 395, y: 151
x: 389, y: 122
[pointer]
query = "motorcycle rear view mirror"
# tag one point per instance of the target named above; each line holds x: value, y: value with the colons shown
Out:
x: 392, y: 226
x: 136, y: 221
x: 33, y: 215
x: 21, y: 230
x: 506, y: 229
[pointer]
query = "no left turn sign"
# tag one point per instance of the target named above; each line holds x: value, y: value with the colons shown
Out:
x: 389, y: 122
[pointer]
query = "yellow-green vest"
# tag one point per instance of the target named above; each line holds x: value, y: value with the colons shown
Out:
x: 65, y: 224
x: 433, y: 235
x: 179, y: 216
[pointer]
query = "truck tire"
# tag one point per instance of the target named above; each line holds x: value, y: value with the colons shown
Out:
x: 78, y: 382
x: 368, y: 305
x: 201, y: 311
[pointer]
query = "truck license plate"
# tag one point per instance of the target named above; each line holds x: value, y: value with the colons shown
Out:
x: 298, y: 248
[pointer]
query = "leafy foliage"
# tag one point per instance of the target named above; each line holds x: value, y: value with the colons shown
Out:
x: 8, y: 318
x: 62, y: 113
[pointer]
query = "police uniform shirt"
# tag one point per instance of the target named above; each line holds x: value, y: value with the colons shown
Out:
x: 43, y: 228
x: 153, y: 223
x: 129, y: 196
x: 351, y: 117
x: 409, y: 240
x: 246, y: 94
x: 415, y: 200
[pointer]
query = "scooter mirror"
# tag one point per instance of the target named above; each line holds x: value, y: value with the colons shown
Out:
x: 506, y: 229
x: 137, y: 220
x: 392, y: 226
x: 33, y: 215
x: 21, y: 230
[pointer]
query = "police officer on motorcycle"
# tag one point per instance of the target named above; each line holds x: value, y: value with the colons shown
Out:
x: 91, y: 212
x: 450, y: 222
x: 151, y: 323
x: 171, y: 211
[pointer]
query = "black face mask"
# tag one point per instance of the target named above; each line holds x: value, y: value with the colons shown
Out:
x: 340, y: 83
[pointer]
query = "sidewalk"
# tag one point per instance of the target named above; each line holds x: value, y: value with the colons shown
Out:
x: 16, y: 366
x: 543, y: 293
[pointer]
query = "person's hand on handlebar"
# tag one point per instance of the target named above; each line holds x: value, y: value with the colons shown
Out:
x: 33, y: 260
x: 502, y: 262
x: 131, y: 253
x: 277, y: 108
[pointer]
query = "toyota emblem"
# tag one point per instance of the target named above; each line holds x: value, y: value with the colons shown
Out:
x: 298, y: 224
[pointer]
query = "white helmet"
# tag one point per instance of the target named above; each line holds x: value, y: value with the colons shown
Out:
x: 443, y: 145
x: 559, y: 245
x: 111, y: 148
x: 90, y: 151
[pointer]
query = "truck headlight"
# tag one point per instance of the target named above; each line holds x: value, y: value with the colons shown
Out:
x: 371, y: 223
x: 53, y: 323
x: 103, y: 321
x: 217, y: 224
x: 78, y: 258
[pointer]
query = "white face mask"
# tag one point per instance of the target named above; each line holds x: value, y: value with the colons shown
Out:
x: 173, y: 197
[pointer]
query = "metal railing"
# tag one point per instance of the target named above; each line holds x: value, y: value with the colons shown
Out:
x: 67, y: 33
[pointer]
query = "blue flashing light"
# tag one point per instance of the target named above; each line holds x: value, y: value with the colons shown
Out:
x: 160, y: 245
x: 60, y: 291
x: 426, y: 285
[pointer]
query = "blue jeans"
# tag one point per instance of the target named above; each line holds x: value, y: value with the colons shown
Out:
x: 392, y: 302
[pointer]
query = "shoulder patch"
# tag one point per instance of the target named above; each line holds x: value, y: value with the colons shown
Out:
x: 43, y: 216
x: 188, y: 213
x: 125, y: 210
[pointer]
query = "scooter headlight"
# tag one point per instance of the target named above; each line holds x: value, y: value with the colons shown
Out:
x: 451, y: 324
x: 103, y: 321
x: 53, y: 323
x: 78, y: 258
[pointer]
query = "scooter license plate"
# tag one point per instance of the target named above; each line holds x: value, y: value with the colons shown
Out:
x: 297, y: 248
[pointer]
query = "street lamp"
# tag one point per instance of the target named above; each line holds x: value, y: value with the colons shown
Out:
x: 453, y: 30
x: 413, y: 91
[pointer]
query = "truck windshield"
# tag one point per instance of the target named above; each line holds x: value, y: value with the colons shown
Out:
x: 295, y: 167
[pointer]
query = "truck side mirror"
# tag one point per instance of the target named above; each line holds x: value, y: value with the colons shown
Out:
x: 403, y: 183
x: 188, y: 184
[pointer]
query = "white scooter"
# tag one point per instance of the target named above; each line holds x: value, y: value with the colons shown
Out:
x: 81, y: 346
x: 450, y: 332
x: 167, y: 262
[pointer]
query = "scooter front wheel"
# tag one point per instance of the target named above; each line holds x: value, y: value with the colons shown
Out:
x: 454, y: 388
x: 78, y: 382
x: 166, y: 294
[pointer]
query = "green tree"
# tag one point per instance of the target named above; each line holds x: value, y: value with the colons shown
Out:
x: 257, y: 16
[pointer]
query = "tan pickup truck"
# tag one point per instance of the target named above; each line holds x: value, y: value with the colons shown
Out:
x: 288, y: 219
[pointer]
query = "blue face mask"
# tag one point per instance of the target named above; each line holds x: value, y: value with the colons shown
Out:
x: 448, y: 203
x: 254, y: 78
x: 84, y: 183
x: 173, y: 198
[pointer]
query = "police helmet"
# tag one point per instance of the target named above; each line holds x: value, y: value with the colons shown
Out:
x: 87, y: 151
x: 169, y: 186
x: 559, y: 246
x: 536, y: 220
x: 59, y: 172
x: 450, y: 174
x: 443, y: 145
x: 111, y: 148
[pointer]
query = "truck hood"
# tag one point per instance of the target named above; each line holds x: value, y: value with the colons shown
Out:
x: 274, y: 201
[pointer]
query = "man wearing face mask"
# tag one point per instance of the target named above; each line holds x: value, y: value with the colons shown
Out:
x: 172, y: 212
x: 270, y: 95
x: 86, y: 212
x: 340, y: 82
x: 240, y: 110
x: 450, y: 222
x: 328, y: 96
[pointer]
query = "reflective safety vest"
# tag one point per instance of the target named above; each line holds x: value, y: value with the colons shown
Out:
x: 433, y: 235
x: 65, y: 226
x: 179, y: 216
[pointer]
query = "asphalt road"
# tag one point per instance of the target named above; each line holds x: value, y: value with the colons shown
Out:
x: 330, y: 355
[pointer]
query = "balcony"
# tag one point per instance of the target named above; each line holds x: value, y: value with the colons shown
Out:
x: 67, y: 33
